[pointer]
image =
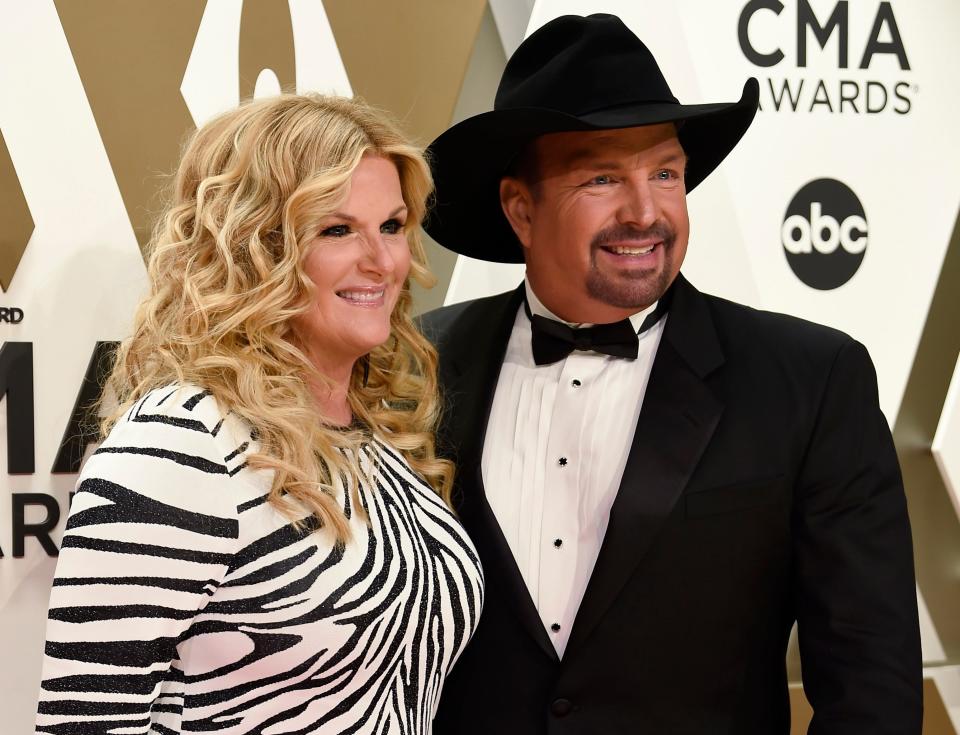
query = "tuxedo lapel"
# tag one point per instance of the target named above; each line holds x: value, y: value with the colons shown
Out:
x: 476, y: 349
x: 677, y: 420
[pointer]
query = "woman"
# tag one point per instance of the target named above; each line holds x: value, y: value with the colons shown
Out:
x: 263, y: 542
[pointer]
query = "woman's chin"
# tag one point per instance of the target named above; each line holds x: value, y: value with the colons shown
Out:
x: 367, y: 343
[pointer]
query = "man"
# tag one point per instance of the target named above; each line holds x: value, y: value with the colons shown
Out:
x: 657, y: 498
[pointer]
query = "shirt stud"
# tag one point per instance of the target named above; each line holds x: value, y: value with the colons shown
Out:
x: 558, y: 542
x: 562, y: 461
x: 575, y: 383
x: 555, y: 627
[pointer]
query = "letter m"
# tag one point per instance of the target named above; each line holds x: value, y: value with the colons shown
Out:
x: 807, y: 19
x: 16, y: 385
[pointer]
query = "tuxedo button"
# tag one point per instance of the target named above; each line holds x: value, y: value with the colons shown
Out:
x: 561, y: 707
x: 575, y: 383
x: 555, y: 627
x: 558, y: 542
x: 562, y: 461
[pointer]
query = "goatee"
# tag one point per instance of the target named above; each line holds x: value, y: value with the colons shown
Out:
x: 627, y: 288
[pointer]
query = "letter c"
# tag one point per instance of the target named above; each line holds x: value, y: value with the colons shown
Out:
x: 754, y: 56
x: 853, y: 245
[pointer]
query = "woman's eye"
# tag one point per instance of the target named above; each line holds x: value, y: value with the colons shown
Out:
x: 335, y: 231
x: 391, y: 227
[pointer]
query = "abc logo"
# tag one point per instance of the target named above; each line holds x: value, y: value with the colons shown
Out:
x: 824, y: 234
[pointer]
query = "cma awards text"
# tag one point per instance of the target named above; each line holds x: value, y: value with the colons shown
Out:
x: 17, y: 393
x: 764, y: 30
x: 10, y: 315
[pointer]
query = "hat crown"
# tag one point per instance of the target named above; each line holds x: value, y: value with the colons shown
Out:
x: 579, y: 65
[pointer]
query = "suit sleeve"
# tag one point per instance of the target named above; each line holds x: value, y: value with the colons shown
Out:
x: 855, y: 589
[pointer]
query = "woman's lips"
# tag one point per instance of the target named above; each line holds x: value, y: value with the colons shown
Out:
x: 363, y: 297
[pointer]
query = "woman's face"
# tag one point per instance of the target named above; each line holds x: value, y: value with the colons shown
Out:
x: 358, y: 262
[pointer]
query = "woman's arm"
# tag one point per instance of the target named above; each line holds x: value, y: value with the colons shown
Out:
x: 151, y: 533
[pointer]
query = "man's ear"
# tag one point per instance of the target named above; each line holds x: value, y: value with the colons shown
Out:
x: 517, y: 202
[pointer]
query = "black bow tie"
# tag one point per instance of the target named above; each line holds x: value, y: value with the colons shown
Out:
x: 553, y: 341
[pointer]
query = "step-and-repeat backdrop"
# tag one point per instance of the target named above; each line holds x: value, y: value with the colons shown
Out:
x: 839, y: 206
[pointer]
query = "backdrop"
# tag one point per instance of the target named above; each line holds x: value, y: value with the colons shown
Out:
x: 839, y: 206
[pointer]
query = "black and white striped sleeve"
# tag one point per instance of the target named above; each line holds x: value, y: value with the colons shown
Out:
x: 152, y: 530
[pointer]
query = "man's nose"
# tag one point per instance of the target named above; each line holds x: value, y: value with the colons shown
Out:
x: 639, y: 205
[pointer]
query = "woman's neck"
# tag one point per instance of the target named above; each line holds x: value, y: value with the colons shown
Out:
x: 331, y: 394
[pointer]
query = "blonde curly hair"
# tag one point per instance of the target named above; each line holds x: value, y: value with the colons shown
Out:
x: 227, y: 281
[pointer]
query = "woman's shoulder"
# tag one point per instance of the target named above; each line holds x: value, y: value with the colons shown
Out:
x: 174, y: 439
x: 184, y: 415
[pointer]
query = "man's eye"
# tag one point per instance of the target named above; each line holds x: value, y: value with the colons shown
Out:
x: 335, y: 231
x: 391, y: 227
x: 665, y: 175
x: 600, y: 180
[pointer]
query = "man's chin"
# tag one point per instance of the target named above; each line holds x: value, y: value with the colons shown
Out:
x: 629, y: 293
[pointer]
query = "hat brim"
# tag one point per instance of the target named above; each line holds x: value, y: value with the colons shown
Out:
x: 470, y: 158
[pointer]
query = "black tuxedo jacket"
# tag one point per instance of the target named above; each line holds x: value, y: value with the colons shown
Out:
x: 762, y: 487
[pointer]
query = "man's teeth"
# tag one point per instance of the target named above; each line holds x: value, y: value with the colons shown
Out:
x: 360, y: 295
x: 632, y: 251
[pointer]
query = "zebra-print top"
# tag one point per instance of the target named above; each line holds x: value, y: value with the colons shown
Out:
x: 184, y: 602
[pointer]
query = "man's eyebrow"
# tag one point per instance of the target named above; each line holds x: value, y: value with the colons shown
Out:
x: 590, y: 159
x: 675, y: 158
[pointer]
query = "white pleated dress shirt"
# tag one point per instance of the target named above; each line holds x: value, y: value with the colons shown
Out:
x: 556, y: 445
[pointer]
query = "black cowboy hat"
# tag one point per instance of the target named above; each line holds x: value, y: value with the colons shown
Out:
x: 574, y: 73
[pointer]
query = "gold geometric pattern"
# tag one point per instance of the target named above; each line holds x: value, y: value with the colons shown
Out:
x: 936, y: 527
x: 16, y: 224
x: 266, y: 42
x: 131, y: 56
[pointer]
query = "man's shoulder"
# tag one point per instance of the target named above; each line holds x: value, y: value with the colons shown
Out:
x: 734, y: 313
x: 746, y: 328
x: 439, y: 324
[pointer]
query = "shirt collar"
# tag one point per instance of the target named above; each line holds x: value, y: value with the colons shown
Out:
x: 537, y: 307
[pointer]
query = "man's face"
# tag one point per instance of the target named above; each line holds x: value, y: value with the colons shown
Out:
x: 602, y: 217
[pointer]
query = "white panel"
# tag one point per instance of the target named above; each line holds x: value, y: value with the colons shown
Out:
x: 267, y: 84
x: 511, y: 17
x: 211, y: 81
x: 931, y: 647
x: 946, y: 442
x: 473, y: 279
x: 319, y: 66
x: 947, y: 679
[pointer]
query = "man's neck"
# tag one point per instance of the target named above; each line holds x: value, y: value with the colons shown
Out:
x: 538, y: 307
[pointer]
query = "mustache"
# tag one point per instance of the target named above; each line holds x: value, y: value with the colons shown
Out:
x: 659, y: 230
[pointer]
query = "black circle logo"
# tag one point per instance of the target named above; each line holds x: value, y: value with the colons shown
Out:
x: 824, y: 234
